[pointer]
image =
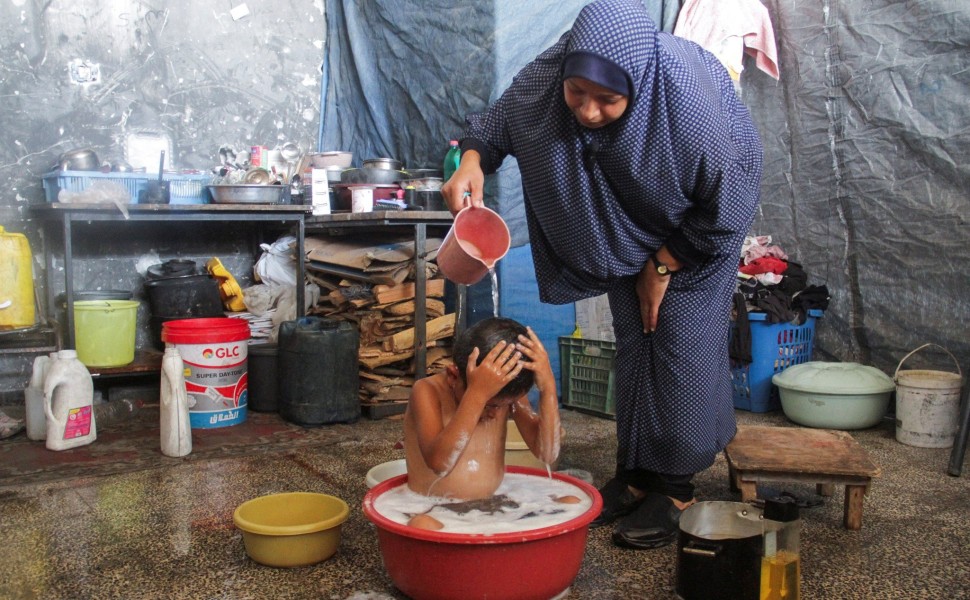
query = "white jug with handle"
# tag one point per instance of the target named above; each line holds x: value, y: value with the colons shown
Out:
x: 175, y: 425
x: 69, y: 403
x: 34, y: 398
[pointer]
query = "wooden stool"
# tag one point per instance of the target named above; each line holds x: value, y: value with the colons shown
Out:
x: 825, y: 458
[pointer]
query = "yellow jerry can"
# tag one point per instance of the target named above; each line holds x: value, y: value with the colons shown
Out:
x: 16, y: 282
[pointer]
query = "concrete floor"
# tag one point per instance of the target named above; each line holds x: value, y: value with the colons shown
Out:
x: 165, y: 530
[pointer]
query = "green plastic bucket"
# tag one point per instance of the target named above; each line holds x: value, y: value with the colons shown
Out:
x: 104, y: 332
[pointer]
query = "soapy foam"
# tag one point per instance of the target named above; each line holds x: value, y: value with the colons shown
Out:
x: 534, y: 495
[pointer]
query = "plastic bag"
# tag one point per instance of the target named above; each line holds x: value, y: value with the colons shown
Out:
x: 99, y: 192
x: 277, y: 265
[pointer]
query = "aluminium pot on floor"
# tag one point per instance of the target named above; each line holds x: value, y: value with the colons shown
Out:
x: 719, y: 552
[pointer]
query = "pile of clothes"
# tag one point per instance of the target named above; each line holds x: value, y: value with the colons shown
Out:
x: 769, y: 282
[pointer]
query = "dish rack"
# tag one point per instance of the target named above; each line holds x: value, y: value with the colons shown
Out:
x: 183, y: 188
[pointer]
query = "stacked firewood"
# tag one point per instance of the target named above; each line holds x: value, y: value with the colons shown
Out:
x: 384, y: 314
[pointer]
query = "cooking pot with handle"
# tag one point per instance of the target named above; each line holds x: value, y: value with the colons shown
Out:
x: 719, y: 552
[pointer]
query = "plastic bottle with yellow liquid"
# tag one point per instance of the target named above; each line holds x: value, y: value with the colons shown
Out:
x: 780, y: 563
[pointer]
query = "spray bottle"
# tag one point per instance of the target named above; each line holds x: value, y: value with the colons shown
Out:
x: 69, y: 403
x: 176, y: 430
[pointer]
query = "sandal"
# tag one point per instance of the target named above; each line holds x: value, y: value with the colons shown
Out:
x: 654, y: 524
x: 618, y: 501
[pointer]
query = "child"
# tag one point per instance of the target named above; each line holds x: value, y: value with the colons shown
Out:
x: 455, y: 424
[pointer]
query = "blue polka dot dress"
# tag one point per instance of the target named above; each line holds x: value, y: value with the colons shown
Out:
x: 681, y: 168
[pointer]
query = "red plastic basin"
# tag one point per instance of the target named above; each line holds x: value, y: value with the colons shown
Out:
x: 537, y: 564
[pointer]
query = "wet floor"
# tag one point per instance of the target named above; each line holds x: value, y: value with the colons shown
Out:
x: 164, y: 529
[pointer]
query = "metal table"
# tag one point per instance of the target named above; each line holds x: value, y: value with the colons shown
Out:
x: 419, y: 222
x: 69, y: 214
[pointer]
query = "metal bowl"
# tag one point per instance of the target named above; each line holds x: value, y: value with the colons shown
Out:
x: 246, y: 194
x: 383, y: 163
x: 422, y: 173
x: 371, y: 175
x: 425, y: 184
x: 334, y: 158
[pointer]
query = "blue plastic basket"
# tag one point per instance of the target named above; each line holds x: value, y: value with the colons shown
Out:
x: 183, y: 189
x: 774, y: 348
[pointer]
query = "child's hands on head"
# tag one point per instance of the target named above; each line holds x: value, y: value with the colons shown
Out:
x: 538, y: 361
x: 501, y: 365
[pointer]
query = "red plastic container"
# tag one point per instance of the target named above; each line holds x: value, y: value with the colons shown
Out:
x: 537, y: 564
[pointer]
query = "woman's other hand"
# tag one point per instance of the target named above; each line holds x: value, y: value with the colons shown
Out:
x: 651, y: 287
x: 465, y: 188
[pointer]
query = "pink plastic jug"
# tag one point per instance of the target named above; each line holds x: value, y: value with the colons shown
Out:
x: 478, y: 239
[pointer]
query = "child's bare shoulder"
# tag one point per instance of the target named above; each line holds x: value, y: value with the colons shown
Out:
x: 435, y: 385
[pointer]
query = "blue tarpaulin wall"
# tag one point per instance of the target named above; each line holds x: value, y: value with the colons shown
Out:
x: 865, y: 140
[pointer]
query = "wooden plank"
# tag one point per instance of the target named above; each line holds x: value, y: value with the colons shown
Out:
x: 433, y: 308
x: 435, y: 329
x: 373, y: 360
x: 382, y: 410
x: 799, y: 450
x: 391, y: 293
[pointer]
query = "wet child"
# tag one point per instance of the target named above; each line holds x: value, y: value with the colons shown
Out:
x: 456, y: 420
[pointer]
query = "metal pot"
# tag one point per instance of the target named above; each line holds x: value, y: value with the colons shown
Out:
x: 719, y: 552
x: 372, y: 175
x: 84, y: 159
x: 383, y: 163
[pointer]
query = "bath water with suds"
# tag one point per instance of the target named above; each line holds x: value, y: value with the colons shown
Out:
x: 521, y: 503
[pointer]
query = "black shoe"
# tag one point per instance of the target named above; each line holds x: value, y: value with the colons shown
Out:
x: 618, y: 501
x: 654, y: 524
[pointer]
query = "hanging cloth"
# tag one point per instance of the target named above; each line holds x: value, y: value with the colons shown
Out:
x: 729, y: 29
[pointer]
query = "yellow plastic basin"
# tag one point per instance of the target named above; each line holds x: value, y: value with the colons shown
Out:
x: 292, y: 529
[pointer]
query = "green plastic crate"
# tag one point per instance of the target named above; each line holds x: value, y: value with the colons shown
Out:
x: 587, y: 375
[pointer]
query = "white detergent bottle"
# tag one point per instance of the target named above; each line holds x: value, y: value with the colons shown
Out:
x: 34, y: 398
x: 69, y: 403
x: 176, y: 430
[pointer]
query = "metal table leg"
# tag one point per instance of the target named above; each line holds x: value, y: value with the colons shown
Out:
x: 68, y: 284
x: 960, y: 443
x: 420, y: 303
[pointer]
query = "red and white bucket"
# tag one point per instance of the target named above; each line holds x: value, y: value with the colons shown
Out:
x: 215, y: 353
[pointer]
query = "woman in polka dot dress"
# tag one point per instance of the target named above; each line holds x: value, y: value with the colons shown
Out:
x: 641, y: 172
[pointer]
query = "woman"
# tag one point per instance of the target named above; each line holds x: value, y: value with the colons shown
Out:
x: 641, y: 172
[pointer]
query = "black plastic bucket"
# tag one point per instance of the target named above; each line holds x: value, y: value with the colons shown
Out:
x: 263, y: 378
x: 189, y: 297
x: 184, y: 297
x: 318, y: 372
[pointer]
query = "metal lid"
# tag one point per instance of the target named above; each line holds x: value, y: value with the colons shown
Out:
x: 834, y: 378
